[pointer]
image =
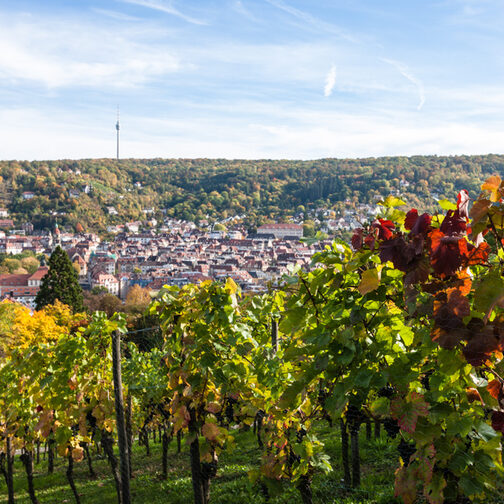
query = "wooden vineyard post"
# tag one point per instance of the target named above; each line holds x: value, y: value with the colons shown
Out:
x: 274, y: 335
x: 120, y: 420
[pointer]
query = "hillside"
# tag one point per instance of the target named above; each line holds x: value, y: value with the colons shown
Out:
x: 82, y: 191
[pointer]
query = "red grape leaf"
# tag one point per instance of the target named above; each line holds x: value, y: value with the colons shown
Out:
x: 476, y: 255
x: 482, y: 344
x: 463, y: 203
x: 418, y: 272
x: 406, y: 412
x: 453, y: 223
x: 494, y: 388
x: 411, y: 218
x: 445, y: 253
x: 498, y: 421
x: 357, y: 239
x: 385, y: 228
x: 395, y: 250
x: 458, y: 303
x: 422, y: 224
x: 479, y: 210
x: 447, y: 339
x: 370, y: 241
x: 473, y: 395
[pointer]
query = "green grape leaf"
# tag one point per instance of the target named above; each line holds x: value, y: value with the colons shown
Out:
x: 489, y: 293
x: 433, y: 490
x: 405, y: 485
x: 380, y: 406
x: 471, y: 486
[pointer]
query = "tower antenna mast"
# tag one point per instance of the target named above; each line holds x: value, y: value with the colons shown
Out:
x: 117, y: 128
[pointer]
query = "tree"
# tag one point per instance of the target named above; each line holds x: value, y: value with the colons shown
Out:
x: 60, y: 283
x: 31, y: 264
x: 138, y: 298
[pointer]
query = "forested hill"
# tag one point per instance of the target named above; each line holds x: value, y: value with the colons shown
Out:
x: 82, y: 191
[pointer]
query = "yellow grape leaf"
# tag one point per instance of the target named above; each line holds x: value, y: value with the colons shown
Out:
x: 370, y: 281
x: 231, y: 286
x: 213, y: 407
x: 492, y: 184
x: 211, y: 431
x: 182, y: 418
x: 78, y: 453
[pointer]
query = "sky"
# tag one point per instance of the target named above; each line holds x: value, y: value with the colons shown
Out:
x: 274, y: 79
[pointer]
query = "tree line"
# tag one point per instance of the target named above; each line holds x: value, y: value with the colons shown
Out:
x: 80, y: 192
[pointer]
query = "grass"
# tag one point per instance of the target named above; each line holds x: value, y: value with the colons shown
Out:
x: 231, y: 486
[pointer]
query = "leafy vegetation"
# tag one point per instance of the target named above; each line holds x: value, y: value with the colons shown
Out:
x: 405, y: 330
x: 231, y: 486
x: 195, y: 188
x: 23, y: 263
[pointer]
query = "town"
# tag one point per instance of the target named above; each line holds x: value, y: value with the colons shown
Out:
x: 178, y: 255
x: 177, y: 252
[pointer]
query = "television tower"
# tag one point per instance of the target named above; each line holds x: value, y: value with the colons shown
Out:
x: 117, y: 128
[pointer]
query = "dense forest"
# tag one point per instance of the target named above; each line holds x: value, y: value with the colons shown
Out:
x: 82, y: 191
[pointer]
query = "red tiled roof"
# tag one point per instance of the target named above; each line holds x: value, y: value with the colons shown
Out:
x: 14, y: 280
x: 40, y: 273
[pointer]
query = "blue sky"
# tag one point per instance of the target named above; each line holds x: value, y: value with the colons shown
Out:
x: 251, y: 78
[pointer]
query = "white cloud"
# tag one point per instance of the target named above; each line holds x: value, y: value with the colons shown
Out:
x: 405, y: 72
x: 330, y: 81
x: 294, y: 134
x: 165, y: 7
x: 64, y: 54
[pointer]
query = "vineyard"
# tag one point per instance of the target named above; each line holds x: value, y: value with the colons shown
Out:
x: 400, y: 334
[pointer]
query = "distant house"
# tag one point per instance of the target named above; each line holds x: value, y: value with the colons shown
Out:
x: 281, y: 230
x: 6, y: 223
x: 106, y: 280
x: 74, y: 193
x: 133, y: 227
x: 22, y: 288
x: 4, y: 212
x: 27, y: 195
x: 112, y: 211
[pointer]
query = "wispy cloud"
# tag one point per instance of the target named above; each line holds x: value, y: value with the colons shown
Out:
x: 239, y: 7
x: 119, y: 16
x: 312, y: 21
x: 406, y: 73
x: 330, y: 81
x: 167, y: 8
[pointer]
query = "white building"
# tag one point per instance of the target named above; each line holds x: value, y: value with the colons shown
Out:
x: 281, y: 230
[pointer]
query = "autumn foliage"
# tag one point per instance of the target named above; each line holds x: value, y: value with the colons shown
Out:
x: 404, y: 327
